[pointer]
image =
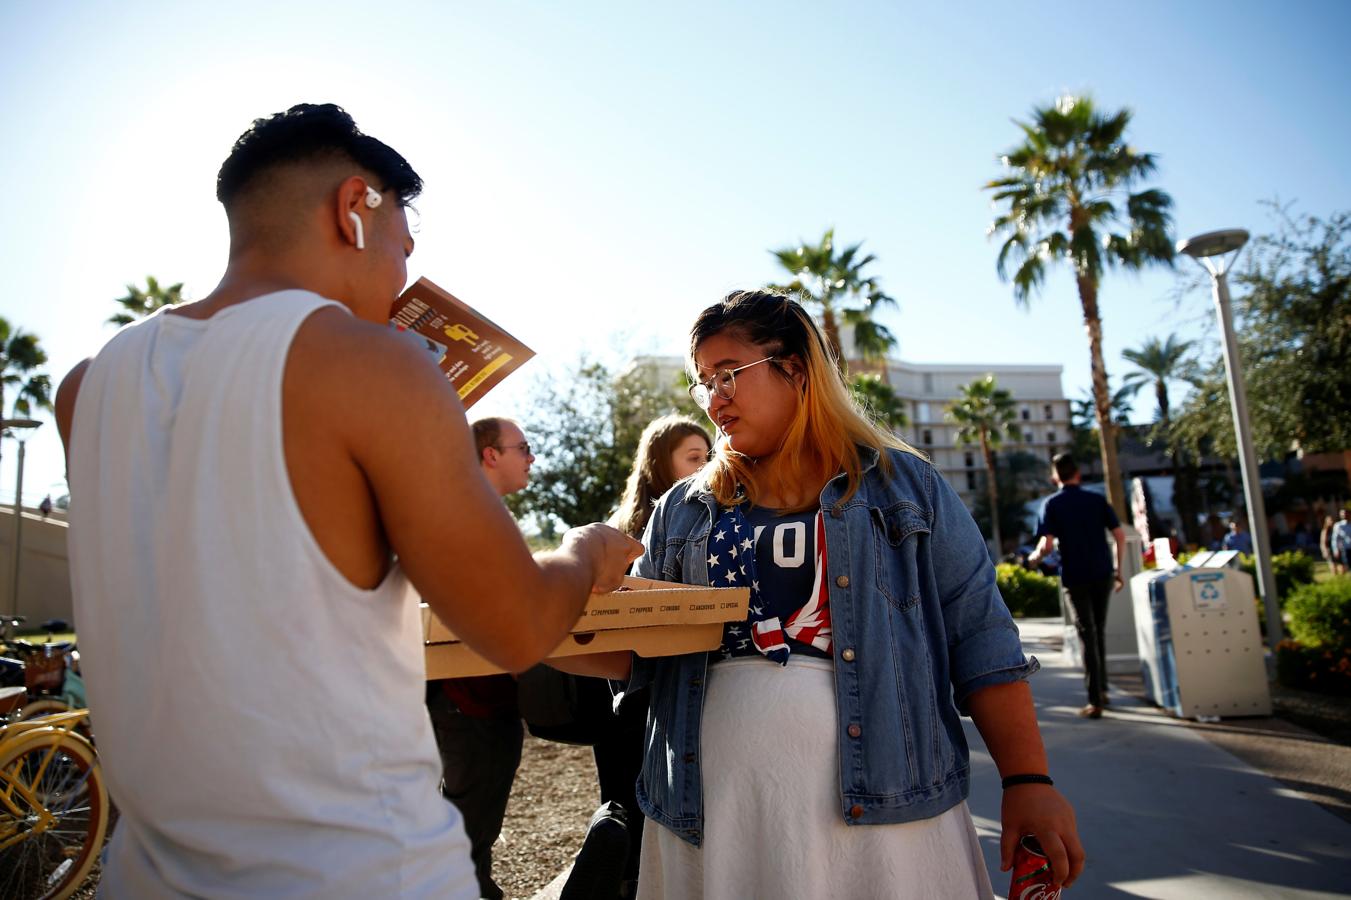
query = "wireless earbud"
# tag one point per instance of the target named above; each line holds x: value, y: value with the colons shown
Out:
x: 373, y: 197
x: 356, y: 225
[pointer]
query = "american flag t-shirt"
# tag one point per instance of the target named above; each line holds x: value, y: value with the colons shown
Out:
x: 781, y: 558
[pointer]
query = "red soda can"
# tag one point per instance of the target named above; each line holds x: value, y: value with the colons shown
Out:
x: 1032, y: 878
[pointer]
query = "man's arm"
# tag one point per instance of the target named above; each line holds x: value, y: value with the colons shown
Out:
x: 398, y: 418
x: 1043, y: 547
x: 1119, y: 536
x: 1007, y: 721
x: 66, y: 395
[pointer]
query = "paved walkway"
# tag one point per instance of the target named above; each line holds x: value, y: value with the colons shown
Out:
x: 1164, y: 812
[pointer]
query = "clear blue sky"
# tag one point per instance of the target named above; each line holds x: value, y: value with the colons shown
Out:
x: 597, y: 173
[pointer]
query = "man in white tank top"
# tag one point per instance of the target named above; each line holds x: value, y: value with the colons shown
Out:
x: 244, y: 471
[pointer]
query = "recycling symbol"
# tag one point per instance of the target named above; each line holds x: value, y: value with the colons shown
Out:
x: 1210, y: 593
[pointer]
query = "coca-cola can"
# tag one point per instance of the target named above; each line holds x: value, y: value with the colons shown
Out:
x: 1032, y: 878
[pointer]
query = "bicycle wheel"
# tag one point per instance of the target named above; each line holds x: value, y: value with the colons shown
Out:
x: 44, y: 706
x: 54, y: 807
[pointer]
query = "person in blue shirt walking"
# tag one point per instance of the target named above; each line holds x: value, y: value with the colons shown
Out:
x: 1238, y: 537
x: 1341, y: 541
x: 820, y: 753
x: 1080, y: 520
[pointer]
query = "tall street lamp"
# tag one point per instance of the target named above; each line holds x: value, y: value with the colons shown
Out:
x: 19, y: 426
x: 1210, y: 250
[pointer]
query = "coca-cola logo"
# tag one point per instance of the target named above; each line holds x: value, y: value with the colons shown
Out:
x: 1039, y: 892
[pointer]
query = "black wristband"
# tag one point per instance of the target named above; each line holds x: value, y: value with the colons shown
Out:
x: 1012, y: 780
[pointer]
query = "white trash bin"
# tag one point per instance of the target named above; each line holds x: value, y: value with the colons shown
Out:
x: 1200, y: 642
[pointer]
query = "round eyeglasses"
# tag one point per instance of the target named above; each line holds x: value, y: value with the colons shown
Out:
x: 723, y: 383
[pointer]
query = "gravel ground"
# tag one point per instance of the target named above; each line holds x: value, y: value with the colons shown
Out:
x: 551, y: 803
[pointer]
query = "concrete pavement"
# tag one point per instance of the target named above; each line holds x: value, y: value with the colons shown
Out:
x: 1163, y: 812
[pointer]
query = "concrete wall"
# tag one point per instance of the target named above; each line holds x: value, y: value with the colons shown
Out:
x: 44, y: 575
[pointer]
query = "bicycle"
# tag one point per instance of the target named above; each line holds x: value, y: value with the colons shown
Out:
x: 48, y: 671
x: 54, y: 807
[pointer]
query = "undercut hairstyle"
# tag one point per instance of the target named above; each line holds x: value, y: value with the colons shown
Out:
x: 1065, y: 467
x: 828, y: 427
x: 487, y: 432
x: 312, y: 133
x: 653, y: 474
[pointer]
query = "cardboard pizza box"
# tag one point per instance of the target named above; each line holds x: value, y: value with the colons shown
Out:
x: 650, y: 618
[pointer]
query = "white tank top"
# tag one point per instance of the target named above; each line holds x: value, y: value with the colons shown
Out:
x: 261, y: 720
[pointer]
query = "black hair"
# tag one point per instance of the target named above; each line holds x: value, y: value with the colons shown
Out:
x: 311, y: 132
x: 1065, y: 466
x: 766, y: 319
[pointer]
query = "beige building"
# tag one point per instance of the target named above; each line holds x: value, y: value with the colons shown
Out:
x: 44, y: 575
x: 1043, y: 413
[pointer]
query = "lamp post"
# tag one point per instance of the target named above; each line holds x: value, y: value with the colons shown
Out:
x: 1210, y: 250
x: 17, y: 425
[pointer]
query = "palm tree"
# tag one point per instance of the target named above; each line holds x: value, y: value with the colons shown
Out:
x: 21, y: 354
x: 986, y: 415
x: 138, y: 303
x: 1159, y: 362
x: 1068, y: 200
x: 834, y: 287
x: 880, y: 400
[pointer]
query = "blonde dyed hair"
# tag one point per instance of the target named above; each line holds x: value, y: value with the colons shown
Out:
x: 828, y: 427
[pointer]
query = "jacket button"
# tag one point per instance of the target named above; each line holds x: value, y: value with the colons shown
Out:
x: 855, y: 812
x: 842, y: 581
x: 847, y: 654
x: 854, y: 730
x: 836, y: 512
x: 689, y: 757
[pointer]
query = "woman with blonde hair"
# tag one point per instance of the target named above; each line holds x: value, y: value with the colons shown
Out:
x: 819, y: 753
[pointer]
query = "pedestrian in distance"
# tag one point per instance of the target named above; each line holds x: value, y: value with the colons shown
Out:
x: 1238, y: 537
x: 1325, y: 545
x: 1341, y: 540
x: 476, y: 720
x: 266, y: 480
x: 1079, y: 520
x: 819, y: 753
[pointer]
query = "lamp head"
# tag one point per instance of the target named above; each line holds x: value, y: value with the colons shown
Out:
x: 1213, y: 243
x: 20, y: 423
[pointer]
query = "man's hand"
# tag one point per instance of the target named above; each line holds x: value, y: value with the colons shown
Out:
x: 610, y: 550
x: 1034, y: 557
x: 1117, y: 582
x: 1040, y: 810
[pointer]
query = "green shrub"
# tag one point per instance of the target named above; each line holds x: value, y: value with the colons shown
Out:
x: 1314, y: 668
x: 1317, y: 657
x: 1290, y: 569
x: 1320, y: 614
x: 1027, y: 593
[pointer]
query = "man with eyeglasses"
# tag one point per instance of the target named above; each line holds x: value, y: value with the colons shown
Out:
x: 476, y: 720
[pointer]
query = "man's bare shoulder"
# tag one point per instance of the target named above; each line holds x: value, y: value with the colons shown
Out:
x: 333, y: 351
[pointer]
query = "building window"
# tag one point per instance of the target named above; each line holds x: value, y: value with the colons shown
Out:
x: 928, y: 383
x: 970, y: 459
x: 1047, y: 409
x: 1050, y: 436
x: 928, y: 437
x: 1027, y: 413
x: 971, y: 480
x: 923, y: 414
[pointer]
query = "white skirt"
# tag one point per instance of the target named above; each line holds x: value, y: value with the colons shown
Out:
x: 772, y: 822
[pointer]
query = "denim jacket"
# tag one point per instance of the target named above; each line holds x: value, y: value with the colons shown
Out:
x: 918, y: 626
